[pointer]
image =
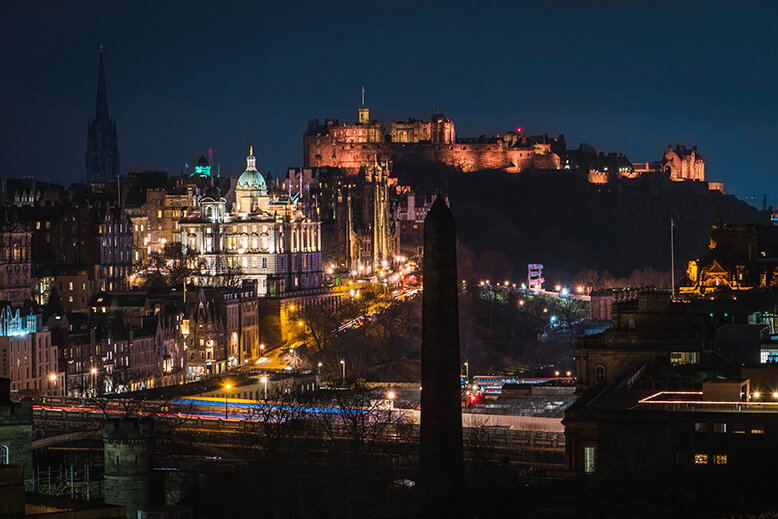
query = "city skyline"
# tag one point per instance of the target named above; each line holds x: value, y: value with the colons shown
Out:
x: 227, y: 80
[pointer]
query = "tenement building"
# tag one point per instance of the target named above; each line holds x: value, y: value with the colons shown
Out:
x: 262, y: 237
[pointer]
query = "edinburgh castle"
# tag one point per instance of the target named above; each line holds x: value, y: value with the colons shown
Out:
x: 352, y: 147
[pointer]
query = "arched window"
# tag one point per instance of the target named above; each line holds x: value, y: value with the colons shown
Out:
x: 5, y: 455
x: 599, y: 374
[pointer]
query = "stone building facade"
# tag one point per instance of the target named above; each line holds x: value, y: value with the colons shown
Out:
x: 352, y: 146
x: 16, y: 432
x: 128, y: 463
x: 15, y: 263
x: 28, y: 356
x: 683, y: 164
x: 740, y: 257
x: 264, y: 238
x: 364, y: 221
x: 115, y: 250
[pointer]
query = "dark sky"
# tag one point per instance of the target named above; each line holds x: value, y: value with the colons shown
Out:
x: 187, y: 76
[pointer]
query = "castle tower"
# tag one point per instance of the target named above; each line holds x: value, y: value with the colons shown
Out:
x: 102, y: 145
x: 129, y: 447
x: 364, y: 112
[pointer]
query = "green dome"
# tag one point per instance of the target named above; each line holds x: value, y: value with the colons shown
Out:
x: 251, y: 178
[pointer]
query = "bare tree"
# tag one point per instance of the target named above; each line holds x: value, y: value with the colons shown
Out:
x: 364, y: 420
x: 277, y: 424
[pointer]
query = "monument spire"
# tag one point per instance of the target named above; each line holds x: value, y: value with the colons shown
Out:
x: 442, y: 464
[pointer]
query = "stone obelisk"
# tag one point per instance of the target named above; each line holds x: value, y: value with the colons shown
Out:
x: 442, y: 465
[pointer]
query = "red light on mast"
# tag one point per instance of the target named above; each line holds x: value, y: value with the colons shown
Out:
x: 518, y: 129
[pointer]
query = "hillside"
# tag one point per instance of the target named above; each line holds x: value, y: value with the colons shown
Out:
x: 561, y: 220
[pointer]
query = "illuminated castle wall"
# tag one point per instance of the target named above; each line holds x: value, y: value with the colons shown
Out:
x: 351, y: 146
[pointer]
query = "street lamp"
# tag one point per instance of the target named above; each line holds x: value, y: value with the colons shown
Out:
x: 467, y: 371
x: 343, y: 367
x: 391, y: 396
x: 262, y: 349
x: 227, y: 387
x: 319, y: 372
x: 264, y: 381
x: 93, y: 371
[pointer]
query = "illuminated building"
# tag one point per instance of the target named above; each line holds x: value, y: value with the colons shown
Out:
x: 204, y: 338
x: 353, y: 146
x: 683, y: 164
x: 364, y: 219
x: 102, y: 149
x: 740, y: 257
x: 721, y: 423
x: 265, y: 238
x: 115, y: 250
x: 27, y: 355
x: 15, y: 264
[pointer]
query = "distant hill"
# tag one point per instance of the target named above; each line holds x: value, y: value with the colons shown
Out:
x: 561, y: 220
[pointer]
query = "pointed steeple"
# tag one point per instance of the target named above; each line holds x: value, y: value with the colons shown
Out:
x: 102, y: 148
x: 101, y: 109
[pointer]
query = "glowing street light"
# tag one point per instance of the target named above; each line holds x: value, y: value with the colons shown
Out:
x: 391, y: 396
x: 467, y: 371
x: 343, y: 368
x: 319, y: 371
x: 264, y: 381
x: 227, y: 387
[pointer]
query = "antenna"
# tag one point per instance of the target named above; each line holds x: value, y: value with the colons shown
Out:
x: 363, y: 95
x: 672, y: 257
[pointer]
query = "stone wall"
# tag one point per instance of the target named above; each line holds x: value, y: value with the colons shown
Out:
x: 326, y: 150
x: 128, y: 450
x: 16, y: 434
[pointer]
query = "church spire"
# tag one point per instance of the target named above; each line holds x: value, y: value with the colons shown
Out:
x: 102, y: 148
x: 101, y: 109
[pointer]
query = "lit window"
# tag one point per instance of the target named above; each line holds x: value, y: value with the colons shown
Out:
x: 599, y: 374
x: 719, y: 427
x: 738, y: 428
x: 589, y: 460
x: 700, y: 427
x: 5, y: 455
x: 757, y: 429
x: 701, y: 459
x: 720, y: 459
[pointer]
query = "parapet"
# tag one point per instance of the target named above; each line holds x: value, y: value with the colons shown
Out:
x: 14, y: 414
x: 128, y: 430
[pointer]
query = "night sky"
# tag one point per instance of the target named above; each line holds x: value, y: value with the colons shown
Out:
x: 187, y: 76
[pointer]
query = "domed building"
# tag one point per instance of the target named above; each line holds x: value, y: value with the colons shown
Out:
x: 266, y: 237
x: 251, y: 189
